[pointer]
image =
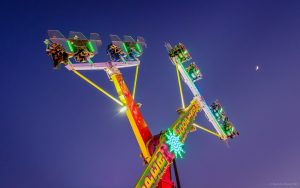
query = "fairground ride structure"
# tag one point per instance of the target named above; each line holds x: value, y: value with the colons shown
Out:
x: 158, y: 151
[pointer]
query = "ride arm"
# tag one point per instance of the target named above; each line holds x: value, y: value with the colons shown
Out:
x: 137, y: 122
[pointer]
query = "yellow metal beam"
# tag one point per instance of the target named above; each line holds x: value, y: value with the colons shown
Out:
x: 97, y: 87
x: 135, y: 80
x: 180, y: 87
x: 207, y: 130
x: 136, y: 130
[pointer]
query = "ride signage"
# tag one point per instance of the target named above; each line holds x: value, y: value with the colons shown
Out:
x: 162, y: 158
x: 155, y: 169
x: 184, y: 123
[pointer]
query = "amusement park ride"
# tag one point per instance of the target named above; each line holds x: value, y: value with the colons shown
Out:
x: 158, y: 151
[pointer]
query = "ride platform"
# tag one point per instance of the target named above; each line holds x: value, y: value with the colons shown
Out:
x: 101, y: 65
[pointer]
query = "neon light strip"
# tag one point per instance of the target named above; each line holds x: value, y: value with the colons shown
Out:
x: 70, y: 46
x: 90, y: 46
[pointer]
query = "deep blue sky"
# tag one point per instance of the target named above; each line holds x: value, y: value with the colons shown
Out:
x: 57, y: 131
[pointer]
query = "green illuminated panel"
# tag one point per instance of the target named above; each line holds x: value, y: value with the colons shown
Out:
x: 174, y: 143
x: 138, y: 47
x: 70, y: 46
x: 125, y: 47
x: 90, y: 47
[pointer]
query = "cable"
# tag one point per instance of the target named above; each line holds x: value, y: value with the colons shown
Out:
x: 180, y: 87
x: 97, y: 87
x: 135, y: 80
x: 205, y: 129
x: 176, y: 174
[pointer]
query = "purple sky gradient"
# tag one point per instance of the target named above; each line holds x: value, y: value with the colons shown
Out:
x: 57, y: 131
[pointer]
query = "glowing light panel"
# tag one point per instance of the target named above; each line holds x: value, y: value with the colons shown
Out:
x: 174, y: 143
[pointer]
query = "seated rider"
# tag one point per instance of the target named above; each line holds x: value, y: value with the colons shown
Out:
x: 58, y: 54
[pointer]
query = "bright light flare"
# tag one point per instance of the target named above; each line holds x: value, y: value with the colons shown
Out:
x: 123, y: 109
x: 257, y: 68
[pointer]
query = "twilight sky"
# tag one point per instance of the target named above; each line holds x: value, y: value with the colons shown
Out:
x: 57, y: 131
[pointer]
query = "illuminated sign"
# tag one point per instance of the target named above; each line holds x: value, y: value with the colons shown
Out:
x: 155, y: 169
x: 163, y: 157
x: 174, y: 143
x: 183, y: 125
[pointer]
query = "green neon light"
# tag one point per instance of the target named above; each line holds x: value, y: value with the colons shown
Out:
x: 90, y: 47
x: 174, y: 143
x: 221, y: 110
x: 125, y: 47
x: 138, y: 47
x: 70, y: 46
